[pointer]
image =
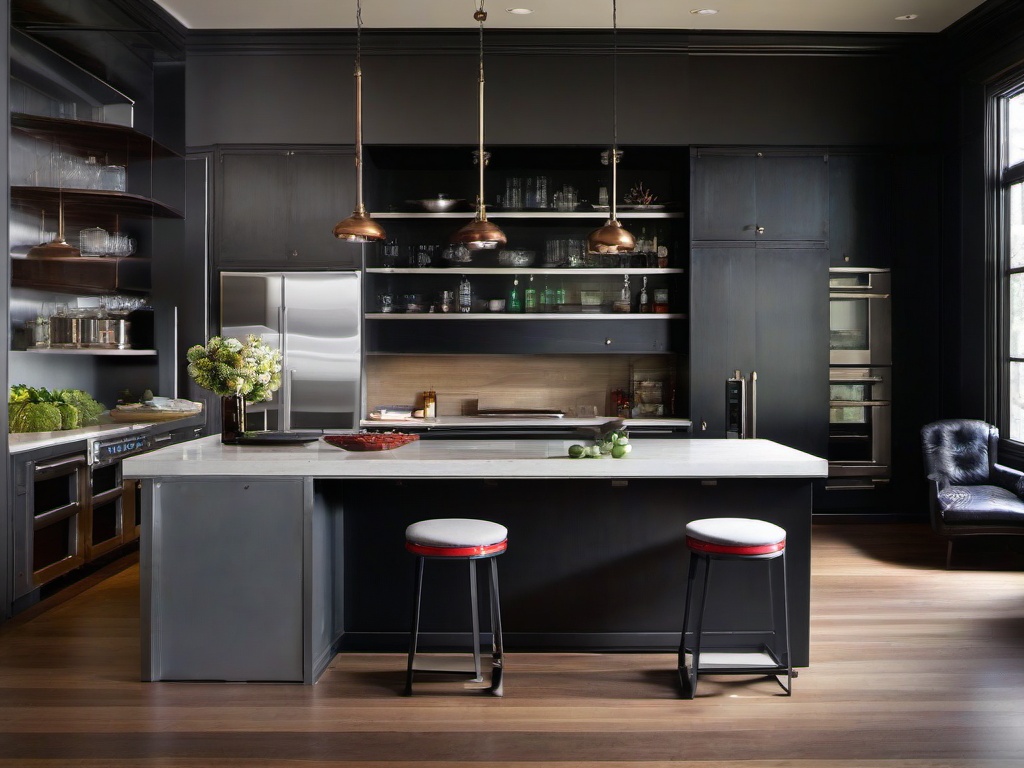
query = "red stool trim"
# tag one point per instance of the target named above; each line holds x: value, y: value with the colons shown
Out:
x: 733, y: 549
x: 428, y: 551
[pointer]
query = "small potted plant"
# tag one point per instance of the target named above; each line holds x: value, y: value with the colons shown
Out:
x: 239, y: 372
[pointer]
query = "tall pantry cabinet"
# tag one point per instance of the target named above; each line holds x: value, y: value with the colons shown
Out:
x: 759, y: 291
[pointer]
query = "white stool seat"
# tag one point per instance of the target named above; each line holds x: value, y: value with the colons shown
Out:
x: 735, y: 536
x: 455, y: 532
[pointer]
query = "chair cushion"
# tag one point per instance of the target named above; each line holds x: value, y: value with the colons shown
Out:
x: 455, y: 532
x: 980, y: 504
x: 958, y: 449
x: 735, y: 536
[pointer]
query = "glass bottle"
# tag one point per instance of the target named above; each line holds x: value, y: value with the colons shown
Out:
x: 530, y: 297
x: 514, y: 305
x: 465, y: 295
x: 645, y: 305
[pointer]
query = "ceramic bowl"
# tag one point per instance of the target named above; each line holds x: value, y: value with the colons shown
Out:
x: 371, y: 441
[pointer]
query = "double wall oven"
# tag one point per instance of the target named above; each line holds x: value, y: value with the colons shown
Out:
x: 72, y: 506
x: 860, y: 372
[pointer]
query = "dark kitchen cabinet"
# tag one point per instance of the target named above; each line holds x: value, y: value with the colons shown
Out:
x: 860, y: 204
x: 763, y: 310
x: 770, y: 197
x: 276, y: 207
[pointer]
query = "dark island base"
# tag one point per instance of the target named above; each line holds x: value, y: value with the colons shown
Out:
x: 591, y: 565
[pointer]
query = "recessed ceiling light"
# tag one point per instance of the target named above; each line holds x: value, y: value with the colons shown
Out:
x: 703, y: 11
x: 908, y: 17
x: 519, y: 11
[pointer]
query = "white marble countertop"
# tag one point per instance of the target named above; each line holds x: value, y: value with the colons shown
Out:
x: 487, y: 422
x: 488, y: 459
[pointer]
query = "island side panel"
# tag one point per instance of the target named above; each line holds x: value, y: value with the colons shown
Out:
x: 224, y: 586
x: 591, y: 564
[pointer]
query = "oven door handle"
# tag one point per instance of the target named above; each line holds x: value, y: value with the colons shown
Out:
x: 858, y: 380
x: 858, y: 403
x: 845, y: 295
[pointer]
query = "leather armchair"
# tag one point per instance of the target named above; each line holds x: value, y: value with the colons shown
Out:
x: 969, y: 493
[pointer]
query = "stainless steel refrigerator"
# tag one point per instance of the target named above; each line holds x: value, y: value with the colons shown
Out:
x: 314, y: 319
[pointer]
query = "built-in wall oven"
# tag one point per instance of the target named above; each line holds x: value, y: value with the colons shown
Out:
x: 860, y: 378
x: 860, y: 316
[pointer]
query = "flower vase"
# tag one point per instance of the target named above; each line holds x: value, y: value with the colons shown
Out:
x: 232, y: 414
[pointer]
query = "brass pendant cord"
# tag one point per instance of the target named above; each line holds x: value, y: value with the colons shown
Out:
x: 359, y: 227
x: 480, y: 16
x: 614, y: 159
x: 360, y: 208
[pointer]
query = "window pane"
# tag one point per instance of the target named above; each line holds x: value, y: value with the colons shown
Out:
x: 1017, y: 401
x: 1015, y: 129
x: 1015, y: 217
x: 1017, y: 315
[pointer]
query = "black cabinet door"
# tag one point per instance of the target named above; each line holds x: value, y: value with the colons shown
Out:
x: 773, y: 198
x: 860, y: 210
x: 792, y: 198
x: 722, y: 201
x: 722, y: 330
x: 763, y: 310
x: 276, y: 208
x: 252, y: 208
x: 791, y: 298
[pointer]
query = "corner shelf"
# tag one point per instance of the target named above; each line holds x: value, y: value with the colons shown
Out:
x: 91, y: 203
x: 90, y: 136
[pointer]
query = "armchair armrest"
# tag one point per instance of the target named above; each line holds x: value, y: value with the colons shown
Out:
x: 1010, y: 479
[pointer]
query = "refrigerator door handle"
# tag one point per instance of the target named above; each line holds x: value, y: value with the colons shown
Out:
x: 286, y: 383
x: 753, y: 404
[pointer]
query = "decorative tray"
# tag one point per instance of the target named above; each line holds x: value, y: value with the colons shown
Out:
x: 271, y: 438
x: 371, y: 441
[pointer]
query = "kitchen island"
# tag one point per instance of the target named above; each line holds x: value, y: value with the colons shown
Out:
x: 260, y: 563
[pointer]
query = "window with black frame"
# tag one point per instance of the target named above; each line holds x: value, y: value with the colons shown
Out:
x: 1011, y: 256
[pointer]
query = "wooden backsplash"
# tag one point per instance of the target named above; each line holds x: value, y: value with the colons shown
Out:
x: 465, y: 382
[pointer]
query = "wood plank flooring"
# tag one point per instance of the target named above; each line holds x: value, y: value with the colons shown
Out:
x: 911, y: 666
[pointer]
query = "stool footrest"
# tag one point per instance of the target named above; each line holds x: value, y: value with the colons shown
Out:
x: 452, y: 665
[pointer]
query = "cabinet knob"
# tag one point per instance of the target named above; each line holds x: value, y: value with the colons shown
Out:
x: 759, y: 230
x: 607, y: 342
x: 294, y: 254
x: 703, y: 426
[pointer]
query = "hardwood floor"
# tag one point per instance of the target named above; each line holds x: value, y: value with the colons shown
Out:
x: 911, y: 665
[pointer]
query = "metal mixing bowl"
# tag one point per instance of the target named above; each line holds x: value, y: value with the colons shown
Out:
x: 439, y: 204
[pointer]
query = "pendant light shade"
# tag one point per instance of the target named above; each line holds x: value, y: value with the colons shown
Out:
x: 359, y: 227
x: 612, y: 237
x: 480, y: 234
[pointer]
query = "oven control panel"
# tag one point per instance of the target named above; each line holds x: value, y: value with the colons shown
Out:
x: 104, y: 451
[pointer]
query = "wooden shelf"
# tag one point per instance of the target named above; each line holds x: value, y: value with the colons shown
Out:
x: 104, y: 352
x: 90, y: 275
x: 491, y: 316
x: 87, y: 136
x: 90, y: 206
x: 562, y: 271
x: 536, y: 215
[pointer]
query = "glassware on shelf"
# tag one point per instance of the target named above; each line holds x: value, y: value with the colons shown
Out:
x: 514, y: 303
x: 112, y: 177
x: 94, y: 241
x: 465, y: 295
x: 530, y: 297
x: 120, y: 244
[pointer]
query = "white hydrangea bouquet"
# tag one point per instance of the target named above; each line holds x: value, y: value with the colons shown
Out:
x: 251, y: 370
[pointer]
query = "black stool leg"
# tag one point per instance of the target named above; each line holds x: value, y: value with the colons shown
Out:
x: 681, y: 662
x: 477, y: 676
x: 695, y: 656
x: 790, y: 674
x: 497, y: 645
x: 415, y: 631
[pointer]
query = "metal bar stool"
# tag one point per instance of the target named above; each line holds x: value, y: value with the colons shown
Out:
x: 458, y: 539
x: 736, y: 539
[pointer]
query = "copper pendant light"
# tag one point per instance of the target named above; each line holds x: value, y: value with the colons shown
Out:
x: 359, y: 227
x: 612, y: 237
x: 480, y: 234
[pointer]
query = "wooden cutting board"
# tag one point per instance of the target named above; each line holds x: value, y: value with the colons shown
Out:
x: 147, y: 413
